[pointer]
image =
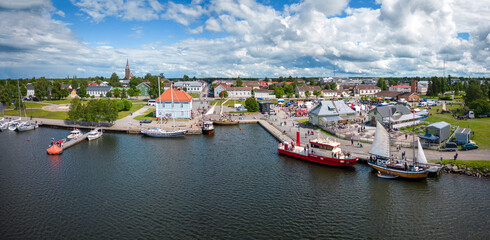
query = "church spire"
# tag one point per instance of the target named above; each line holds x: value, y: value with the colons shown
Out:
x: 127, y: 72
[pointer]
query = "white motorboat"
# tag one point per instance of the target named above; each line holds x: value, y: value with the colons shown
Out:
x: 12, y: 124
x: 74, y: 134
x: 26, y: 126
x: 158, y: 132
x: 3, y: 125
x: 94, y: 134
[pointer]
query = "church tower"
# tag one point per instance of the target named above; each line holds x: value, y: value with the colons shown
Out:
x: 127, y: 72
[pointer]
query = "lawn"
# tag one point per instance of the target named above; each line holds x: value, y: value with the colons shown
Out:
x: 480, y: 164
x: 134, y: 108
x: 195, y: 95
x: 479, y: 125
x: 39, y: 113
x: 230, y: 103
x: 148, y: 115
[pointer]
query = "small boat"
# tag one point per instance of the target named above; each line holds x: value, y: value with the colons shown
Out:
x: 3, y: 125
x: 26, y: 126
x: 75, y: 133
x: 56, y: 148
x: 12, y: 124
x: 158, y: 132
x: 208, y: 127
x: 334, y: 157
x: 94, y: 134
x: 226, y: 122
x: 385, y: 175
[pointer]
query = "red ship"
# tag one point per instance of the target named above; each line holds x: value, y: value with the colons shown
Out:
x: 333, y: 157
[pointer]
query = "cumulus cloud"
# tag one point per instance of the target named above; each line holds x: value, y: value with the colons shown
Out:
x: 402, y: 38
x: 183, y: 14
x: 143, y: 10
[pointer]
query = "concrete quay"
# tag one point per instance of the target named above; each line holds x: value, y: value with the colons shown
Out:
x: 74, y: 141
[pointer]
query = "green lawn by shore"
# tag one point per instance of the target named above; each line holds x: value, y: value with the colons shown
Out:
x: 479, y: 125
x: 39, y: 113
x: 148, y: 115
x: 134, y: 108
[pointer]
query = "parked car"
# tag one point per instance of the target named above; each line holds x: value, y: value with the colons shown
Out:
x: 145, y: 121
x: 469, y: 146
x: 450, y: 146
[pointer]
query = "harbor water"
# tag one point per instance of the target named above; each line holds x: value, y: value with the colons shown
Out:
x: 232, y: 185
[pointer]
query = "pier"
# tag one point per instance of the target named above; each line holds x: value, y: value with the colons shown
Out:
x: 74, y: 141
x: 282, y: 137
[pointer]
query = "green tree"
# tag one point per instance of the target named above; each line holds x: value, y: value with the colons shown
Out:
x: 317, y: 93
x: 474, y: 92
x: 239, y: 82
x: 41, y: 88
x: 480, y: 106
x: 56, y: 90
x: 114, y: 80
x: 327, y: 86
x: 124, y: 94
x: 82, y: 92
x: 131, y: 92
x: 5, y: 96
x: 127, y: 105
x: 186, y: 78
x: 382, y: 84
x: 391, y: 82
x: 117, y: 93
x: 252, y: 105
x: 266, y: 79
x: 108, y: 94
x: 333, y: 86
x: 307, y: 94
x: 279, y: 92
x: 223, y: 94
x: 76, y: 109
x: 74, y: 84
x: 23, y: 90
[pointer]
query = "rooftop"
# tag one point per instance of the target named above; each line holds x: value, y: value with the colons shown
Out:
x: 175, y: 94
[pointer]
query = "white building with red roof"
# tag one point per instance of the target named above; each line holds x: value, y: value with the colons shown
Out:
x: 400, y: 88
x: 180, y: 108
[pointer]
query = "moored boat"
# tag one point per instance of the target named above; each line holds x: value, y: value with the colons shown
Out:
x: 208, y: 127
x: 26, y: 126
x: 75, y: 133
x: 94, y: 134
x: 158, y: 132
x: 13, y: 124
x: 3, y: 125
x: 55, y: 148
x: 386, y: 164
x: 334, y: 157
x: 387, y: 176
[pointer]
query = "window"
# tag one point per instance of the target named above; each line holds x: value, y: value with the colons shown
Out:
x: 181, y: 105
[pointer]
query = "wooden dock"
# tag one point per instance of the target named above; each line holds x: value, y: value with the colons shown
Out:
x: 75, y: 141
x: 282, y: 137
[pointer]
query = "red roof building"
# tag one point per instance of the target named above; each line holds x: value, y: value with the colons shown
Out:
x: 176, y: 94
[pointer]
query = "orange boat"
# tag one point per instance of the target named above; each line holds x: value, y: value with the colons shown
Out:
x: 54, y: 150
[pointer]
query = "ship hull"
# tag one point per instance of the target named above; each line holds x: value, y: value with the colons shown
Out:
x: 208, y: 131
x: 401, y: 173
x: 320, y: 159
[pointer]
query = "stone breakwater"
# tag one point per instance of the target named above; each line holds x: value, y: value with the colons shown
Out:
x: 475, y: 172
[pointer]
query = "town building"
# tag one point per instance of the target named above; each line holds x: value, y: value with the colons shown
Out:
x: 331, y: 112
x: 190, y: 86
x: 440, y: 130
x: 251, y: 84
x: 396, y: 116
x: 364, y: 90
x: 144, y: 89
x: 463, y: 135
x: 422, y: 87
x: 301, y: 91
x: 263, y: 94
x: 127, y: 72
x: 395, y: 96
x: 400, y: 88
x: 104, y: 83
x: 96, y: 91
x: 30, y: 91
x: 330, y: 94
x: 180, y: 108
x: 233, y: 92
x: 92, y: 84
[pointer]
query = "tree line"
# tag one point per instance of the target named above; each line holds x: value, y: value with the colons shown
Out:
x: 97, y: 110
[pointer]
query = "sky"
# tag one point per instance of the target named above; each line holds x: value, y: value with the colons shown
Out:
x: 246, y: 38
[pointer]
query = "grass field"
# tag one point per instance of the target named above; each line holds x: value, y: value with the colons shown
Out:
x: 479, y: 125
x: 148, y: 115
x: 480, y: 164
x: 195, y: 95
x: 134, y: 108
x: 39, y: 113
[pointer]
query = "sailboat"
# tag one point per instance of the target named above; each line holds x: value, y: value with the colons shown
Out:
x: 160, y: 132
x: 386, y: 164
x: 23, y: 126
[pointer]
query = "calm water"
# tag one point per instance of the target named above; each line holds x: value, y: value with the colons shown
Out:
x: 232, y: 185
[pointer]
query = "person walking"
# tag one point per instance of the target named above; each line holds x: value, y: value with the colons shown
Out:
x: 351, y: 141
x: 455, y: 156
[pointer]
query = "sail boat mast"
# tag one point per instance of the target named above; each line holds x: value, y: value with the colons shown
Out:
x: 173, y: 110
x: 160, y: 117
x: 20, y: 108
x: 413, y: 135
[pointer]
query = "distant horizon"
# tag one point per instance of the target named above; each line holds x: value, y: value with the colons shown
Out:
x: 252, y: 38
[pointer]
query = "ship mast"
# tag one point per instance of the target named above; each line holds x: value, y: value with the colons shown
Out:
x: 160, y: 117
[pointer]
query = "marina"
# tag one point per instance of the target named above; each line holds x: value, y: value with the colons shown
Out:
x: 211, y: 191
